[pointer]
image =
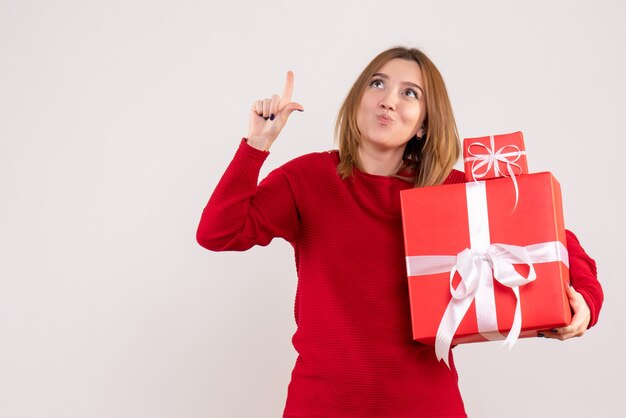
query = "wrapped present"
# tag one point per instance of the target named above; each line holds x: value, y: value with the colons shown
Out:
x: 478, y: 270
x: 494, y: 156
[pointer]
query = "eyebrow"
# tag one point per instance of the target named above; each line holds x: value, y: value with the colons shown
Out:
x: 407, y: 83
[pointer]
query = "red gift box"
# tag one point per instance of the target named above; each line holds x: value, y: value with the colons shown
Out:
x: 471, y: 229
x: 494, y: 156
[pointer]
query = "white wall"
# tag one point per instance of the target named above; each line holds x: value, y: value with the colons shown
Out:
x: 117, y: 118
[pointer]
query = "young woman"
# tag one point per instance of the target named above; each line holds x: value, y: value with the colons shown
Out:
x: 340, y: 210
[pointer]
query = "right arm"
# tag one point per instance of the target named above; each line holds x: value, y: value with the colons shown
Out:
x: 239, y: 213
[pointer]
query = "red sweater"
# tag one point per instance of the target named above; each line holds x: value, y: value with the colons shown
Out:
x: 356, y: 357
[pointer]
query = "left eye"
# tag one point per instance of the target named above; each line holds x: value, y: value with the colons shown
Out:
x: 411, y: 93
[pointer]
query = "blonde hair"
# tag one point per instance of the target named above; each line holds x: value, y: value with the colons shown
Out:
x: 430, y: 159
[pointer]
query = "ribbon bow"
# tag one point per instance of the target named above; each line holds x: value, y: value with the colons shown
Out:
x: 492, y: 158
x: 476, y: 270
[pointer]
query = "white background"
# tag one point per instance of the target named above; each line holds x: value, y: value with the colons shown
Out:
x: 118, y: 117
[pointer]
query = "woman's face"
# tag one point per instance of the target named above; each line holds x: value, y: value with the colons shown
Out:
x: 393, y: 107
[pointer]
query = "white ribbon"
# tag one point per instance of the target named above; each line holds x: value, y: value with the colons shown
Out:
x: 492, y: 159
x: 478, y: 266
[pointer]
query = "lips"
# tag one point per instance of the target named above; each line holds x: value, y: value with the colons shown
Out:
x: 384, y: 119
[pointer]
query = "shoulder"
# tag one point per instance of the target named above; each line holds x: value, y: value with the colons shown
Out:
x: 315, y: 162
x: 307, y: 174
x: 455, y: 176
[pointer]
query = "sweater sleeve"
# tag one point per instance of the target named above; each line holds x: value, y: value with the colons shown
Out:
x: 584, y: 276
x: 241, y: 214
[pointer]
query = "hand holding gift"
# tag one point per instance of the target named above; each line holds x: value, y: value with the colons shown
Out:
x: 580, y: 319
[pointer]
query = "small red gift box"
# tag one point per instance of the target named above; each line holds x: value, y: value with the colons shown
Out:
x: 490, y: 157
x: 477, y: 268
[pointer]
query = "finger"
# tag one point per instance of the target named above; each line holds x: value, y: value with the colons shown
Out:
x: 289, y: 108
x: 555, y: 335
x: 574, y: 327
x: 577, y: 327
x: 580, y: 309
x: 286, y: 97
x: 575, y: 298
x: 266, y: 108
x: 559, y: 334
x: 258, y: 107
x: 565, y: 335
x: 548, y: 333
x: 274, y: 106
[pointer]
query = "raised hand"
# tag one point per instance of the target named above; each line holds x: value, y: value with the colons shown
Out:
x: 269, y: 116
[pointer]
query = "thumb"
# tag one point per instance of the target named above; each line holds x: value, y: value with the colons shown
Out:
x: 290, y: 107
x: 573, y: 298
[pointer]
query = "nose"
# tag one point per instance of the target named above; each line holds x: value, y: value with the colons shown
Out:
x: 388, y: 101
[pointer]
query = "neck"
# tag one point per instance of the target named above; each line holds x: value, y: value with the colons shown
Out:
x: 380, y: 162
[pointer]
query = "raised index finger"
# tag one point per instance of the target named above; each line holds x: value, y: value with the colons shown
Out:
x: 286, y: 97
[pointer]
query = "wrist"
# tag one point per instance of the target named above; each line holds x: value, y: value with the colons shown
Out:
x: 258, y: 143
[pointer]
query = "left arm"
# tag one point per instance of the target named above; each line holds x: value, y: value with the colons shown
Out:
x: 585, y: 293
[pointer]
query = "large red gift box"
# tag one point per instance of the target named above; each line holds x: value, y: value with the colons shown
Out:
x: 490, y: 157
x: 445, y: 226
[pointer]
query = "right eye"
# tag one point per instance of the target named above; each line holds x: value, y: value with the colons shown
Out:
x: 377, y: 83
